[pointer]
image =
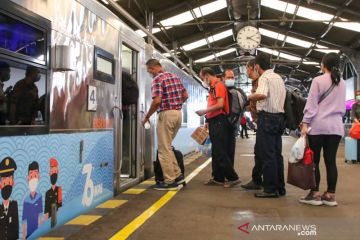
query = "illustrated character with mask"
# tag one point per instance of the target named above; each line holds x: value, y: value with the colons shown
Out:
x: 24, y: 101
x: 53, y: 198
x: 9, y: 216
x: 4, y: 76
x: 32, y: 208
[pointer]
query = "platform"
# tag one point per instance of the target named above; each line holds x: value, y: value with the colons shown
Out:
x: 201, y: 212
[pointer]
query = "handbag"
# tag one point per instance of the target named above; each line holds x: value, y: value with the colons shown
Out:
x: 200, y: 135
x: 302, y: 174
x: 354, y: 131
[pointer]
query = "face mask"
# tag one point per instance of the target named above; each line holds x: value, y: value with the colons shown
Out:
x: 6, y: 192
x: 33, y: 183
x: 53, y: 178
x: 230, y: 82
x: 205, y: 84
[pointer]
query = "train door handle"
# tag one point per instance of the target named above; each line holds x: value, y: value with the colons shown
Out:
x: 120, y: 110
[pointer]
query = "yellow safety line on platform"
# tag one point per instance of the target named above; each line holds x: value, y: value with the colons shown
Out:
x: 134, y: 191
x: 141, y: 219
x: 84, y: 220
x: 113, y: 203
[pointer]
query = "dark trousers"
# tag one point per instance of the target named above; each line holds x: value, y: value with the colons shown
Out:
x: 330, y: 144
x: 269, y: 144
x: 221, y: 134
x: 257, y: 171
x: 232, y: 145
x: 244, y: 129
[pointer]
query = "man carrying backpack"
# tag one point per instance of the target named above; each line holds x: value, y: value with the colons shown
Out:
x: 236, y: 107
x: 220, y: 130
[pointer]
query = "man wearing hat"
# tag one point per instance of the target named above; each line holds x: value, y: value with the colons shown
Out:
x: 32, y: 208
x: 9, y: 217
x: 53, y: 198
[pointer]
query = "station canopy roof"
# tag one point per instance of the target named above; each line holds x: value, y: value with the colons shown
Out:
x: 297, y: 33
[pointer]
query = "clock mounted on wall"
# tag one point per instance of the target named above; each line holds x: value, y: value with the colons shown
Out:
x: 249, y: 38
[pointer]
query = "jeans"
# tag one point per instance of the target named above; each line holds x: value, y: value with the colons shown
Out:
x: 257, y: 171
x: 330, y: 144
x: 269, y: 143
x: 221, y: 135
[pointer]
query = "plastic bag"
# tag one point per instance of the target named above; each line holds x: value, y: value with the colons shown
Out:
x: 297, y: 151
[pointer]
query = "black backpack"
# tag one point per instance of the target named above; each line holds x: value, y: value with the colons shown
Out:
x: 237, y: 103
x: 159, y: 176
x: 130, y: 89
x: 294, y: 108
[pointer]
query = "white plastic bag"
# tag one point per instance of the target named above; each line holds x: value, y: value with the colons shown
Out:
x: 297, y: 151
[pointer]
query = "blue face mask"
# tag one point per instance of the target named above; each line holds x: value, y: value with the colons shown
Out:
x: 230, y: 82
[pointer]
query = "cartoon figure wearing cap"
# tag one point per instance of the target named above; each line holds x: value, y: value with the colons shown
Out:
x: 32, y: 208
x: 53, y: 198
x: 9, y: 216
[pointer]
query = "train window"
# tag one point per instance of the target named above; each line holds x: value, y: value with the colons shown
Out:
x: 22, y: 98
x: 184, y: 115
x: 19, y: 37
x: 104, y: 66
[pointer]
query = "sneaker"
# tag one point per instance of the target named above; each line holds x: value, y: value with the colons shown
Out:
x: 311, y: 199
x: 167, y: 187
x: 251, y: 186
x: 180, y: 179
x: 328, y: 199
x: 212, y: 182
x: 230, y: 184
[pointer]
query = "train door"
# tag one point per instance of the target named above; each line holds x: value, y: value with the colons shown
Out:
x: 129, y: 59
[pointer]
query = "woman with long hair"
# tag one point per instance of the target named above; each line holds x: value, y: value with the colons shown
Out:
x: 323, y: 125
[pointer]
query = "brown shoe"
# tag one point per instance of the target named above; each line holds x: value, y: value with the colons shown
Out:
x: 212, y: 182
x: 311, y: 199
x: 230, y: 184
x: 328, y: 199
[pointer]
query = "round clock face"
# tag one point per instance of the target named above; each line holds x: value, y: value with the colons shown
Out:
x: 249, y: 38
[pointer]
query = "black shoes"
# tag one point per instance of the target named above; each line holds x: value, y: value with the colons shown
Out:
x: 282, y: 192
x: 251, y: 186
x: 267, y: 195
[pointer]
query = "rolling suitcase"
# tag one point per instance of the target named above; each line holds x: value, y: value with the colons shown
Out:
x: 350, y: 150
x: 159, y: 177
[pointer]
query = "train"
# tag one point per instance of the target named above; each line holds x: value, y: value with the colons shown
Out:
x: 67, y: 143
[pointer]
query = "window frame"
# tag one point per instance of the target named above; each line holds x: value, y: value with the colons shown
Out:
x: 101, y: 76
x: 19, y: 13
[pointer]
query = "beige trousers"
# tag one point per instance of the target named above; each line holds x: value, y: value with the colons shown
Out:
x: 168, y: 124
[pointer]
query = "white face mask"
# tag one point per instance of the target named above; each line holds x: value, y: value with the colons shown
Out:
x: 205, y: 84
x: 33, y: 183
x: 230, y: 82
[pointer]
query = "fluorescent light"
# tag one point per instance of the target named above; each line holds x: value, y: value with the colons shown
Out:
x: 295, y: 41
x: 310, y: 63
x: 104, y: 1
x: 211, y: 39
x: 309, y: 14
x: 212, y: 56
x: 210, y: 8
x: 230, y: 50
x: 142, y: 34
x: 193, y: 45
x: 204, y: 59
x: 221, y: 35
x: 178, y: 19
x: 282, y: 55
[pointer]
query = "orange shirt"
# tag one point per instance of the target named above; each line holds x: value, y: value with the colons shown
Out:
x: 218, y: 90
